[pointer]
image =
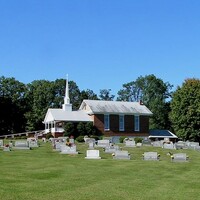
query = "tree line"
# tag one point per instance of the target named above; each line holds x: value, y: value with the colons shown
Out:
x: 23, y: 106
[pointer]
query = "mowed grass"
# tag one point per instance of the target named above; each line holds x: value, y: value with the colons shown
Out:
x: 42, y: 173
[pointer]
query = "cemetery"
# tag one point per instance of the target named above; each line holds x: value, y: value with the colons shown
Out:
x: 81, y: 171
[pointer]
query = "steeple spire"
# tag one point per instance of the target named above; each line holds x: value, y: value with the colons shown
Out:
x: 67, y: 99
x: 67, y: 106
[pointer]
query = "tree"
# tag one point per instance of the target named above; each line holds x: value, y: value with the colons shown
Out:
x: 90, y: 129
x: 105, y: 95
x: 12, y: 105
x: 88, y: 94
x: 185, y: 110
x: 81, y: 128
x: 69, y: 129
x: 153, y: 92
x: 40, y: 96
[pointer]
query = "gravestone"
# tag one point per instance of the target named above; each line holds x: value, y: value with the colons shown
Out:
x: 6, y: 148
x: 121, y: 155
x: 179, y: 157
x: 62, y: 139
x: 180, y: 145
x: 21, y: 144
x: 1, y: 143
x: 10, y: 144
x: 92, y: 154
x: 193, y: 145
x: 32, y: 142
x: 58, y: 146
x: 91, y: 145
x: 157, y: 144
x: 71, y: 140
x: 168, y: 145
x: 112, y: 149
x: 103, y: 143
x: 68, y: 150
x: 130, y: 143
x: 150, y: 156
x: 146, y: 141
x: 139, y: 144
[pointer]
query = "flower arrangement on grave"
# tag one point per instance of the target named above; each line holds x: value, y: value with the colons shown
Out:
x: 113, y: 154
x: 6, y: 145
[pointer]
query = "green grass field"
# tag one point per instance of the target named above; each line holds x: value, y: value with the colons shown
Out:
x: 42, y: 173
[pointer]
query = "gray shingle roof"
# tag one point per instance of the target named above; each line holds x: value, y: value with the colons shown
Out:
x: 61, y: 115
x: 114, y: 107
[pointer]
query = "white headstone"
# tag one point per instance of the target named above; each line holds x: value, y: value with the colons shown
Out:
x: 130, y: 143
x: 92, y: 154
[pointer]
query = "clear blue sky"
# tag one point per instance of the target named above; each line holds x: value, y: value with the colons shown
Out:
x: 100, y: 44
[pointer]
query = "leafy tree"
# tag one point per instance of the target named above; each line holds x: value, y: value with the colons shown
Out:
x: 88, y: 94
x: 131, y: 91
x: 81, y: 128
x: 105, y: 95
x: 12, y: 105
x: 90, y: 129
x: 40, y: 96
x: 59, y: 93
x: 74, y: 95
x: 69, y: 129
x: 154, y: 93
x: 185, y: 110
x: 10, y: 87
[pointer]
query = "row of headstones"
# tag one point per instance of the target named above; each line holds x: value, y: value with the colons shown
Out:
x: 174, y: 157
x: 178, y: 145
x: 19, y: 144
x: 60, y: 144
x: 178, y: 157
x: 106, y: 143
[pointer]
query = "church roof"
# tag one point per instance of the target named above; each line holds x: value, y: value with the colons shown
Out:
x: 155, y: 133
x: 114, y: 107
x: 62, y: 115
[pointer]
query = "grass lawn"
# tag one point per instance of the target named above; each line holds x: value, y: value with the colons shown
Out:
x: 42, y: 173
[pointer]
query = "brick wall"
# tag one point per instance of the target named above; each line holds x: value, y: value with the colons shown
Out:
x: 128, y: 125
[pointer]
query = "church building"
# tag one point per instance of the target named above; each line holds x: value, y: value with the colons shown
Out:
x: 111, y: 118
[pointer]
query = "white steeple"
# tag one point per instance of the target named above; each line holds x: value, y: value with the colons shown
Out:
x: 67, y: 106
x: 67, y: 99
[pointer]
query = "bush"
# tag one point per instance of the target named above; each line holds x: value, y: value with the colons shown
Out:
x: 49, y: 135
x: 81, y: 128
x: 80, y: 138
x: 94, y: 137
x: 69, y: 129
x: 121, y: 139
x: 90, y: 128
x: 138, y: 140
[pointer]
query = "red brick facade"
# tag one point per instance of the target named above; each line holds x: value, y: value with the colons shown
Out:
x: 128, y: 125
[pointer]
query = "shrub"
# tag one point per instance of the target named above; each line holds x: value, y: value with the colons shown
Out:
x: 81, y: 128
x: 90, y: 128
x: 95, y: 137
x: 138, y: 140
x: 69, y: 129
x: 80, y: 138
x: 49, y: 135
x: 121, y: 139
